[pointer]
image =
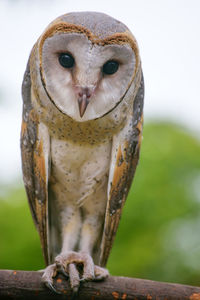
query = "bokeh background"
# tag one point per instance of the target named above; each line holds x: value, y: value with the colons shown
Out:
x: 158, y: 237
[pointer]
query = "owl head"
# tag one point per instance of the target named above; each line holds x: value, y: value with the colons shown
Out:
x: 87, y: 62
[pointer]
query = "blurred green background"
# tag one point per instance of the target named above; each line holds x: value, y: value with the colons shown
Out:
x: 158, y: 237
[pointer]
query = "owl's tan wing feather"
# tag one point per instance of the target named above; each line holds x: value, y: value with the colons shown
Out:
x: 124, y: 160
x: 34, y: 151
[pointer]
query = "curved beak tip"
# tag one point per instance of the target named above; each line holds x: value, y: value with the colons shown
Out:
x: 82, y: 103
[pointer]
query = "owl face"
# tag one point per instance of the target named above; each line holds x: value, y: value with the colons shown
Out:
x: 85, y: 80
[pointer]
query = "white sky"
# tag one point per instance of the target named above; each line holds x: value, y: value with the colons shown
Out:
x: 168, y: 33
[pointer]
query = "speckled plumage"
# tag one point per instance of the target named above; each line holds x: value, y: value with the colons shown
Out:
x: 78, y: 168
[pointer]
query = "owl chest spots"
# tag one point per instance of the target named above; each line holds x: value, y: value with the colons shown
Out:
x: 90, y: 133
x: 78, y: 170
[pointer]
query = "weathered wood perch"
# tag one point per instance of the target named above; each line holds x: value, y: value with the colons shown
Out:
x: 27, y: 285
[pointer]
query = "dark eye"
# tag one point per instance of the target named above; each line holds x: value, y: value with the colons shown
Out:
x: 66, y: 60
x: 110, y: 67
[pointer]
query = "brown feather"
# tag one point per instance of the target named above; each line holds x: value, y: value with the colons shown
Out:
x: 125, y: 165
x: 33, y: 164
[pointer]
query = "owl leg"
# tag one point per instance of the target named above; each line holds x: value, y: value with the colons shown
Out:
x: 90, y: 233
x: 81, y: 229
x: 70, y: 222
x: 89, y: 236
x: 79, y: 265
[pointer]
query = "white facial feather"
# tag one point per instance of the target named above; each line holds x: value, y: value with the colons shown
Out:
x: 87, y: 72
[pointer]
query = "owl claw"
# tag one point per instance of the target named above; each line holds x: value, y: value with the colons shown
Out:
x: 51, y: 287
x: 100, y: 273
x: 62, y: 271
x: 77, y: 266
x: 47, y: 277
x: 82, y: 280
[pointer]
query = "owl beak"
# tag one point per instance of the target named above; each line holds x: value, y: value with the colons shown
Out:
x: 84, y: 95
x: 83, y: 103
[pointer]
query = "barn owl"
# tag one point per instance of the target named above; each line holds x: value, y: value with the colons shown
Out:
x: 81, y: 132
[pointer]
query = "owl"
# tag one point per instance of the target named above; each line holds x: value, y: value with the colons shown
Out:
x: 81, y: 132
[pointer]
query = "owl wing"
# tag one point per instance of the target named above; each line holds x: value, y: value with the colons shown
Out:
x: 35, y: 163
x: 124, y: 159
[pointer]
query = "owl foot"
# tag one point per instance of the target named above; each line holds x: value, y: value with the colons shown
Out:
x: 77, y: 266
x: 49, y: 273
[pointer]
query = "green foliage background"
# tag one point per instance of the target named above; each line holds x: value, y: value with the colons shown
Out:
x: 158, y: 237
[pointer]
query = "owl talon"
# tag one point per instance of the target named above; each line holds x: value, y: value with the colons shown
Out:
x: 73, y: 265
x: 100, y: 273
x: 82, y: 280
x: 62, y: 271
x: 51, y: 287
x: 49, y: 273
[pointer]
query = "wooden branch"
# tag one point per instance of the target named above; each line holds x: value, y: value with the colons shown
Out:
x: 27, y: 285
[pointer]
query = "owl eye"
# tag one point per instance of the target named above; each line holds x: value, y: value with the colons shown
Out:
x: 110, y: 67
x: 66, y: 60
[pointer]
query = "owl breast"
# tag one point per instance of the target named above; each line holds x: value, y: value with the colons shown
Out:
x: 91, y: 132
x: 78, y: 171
